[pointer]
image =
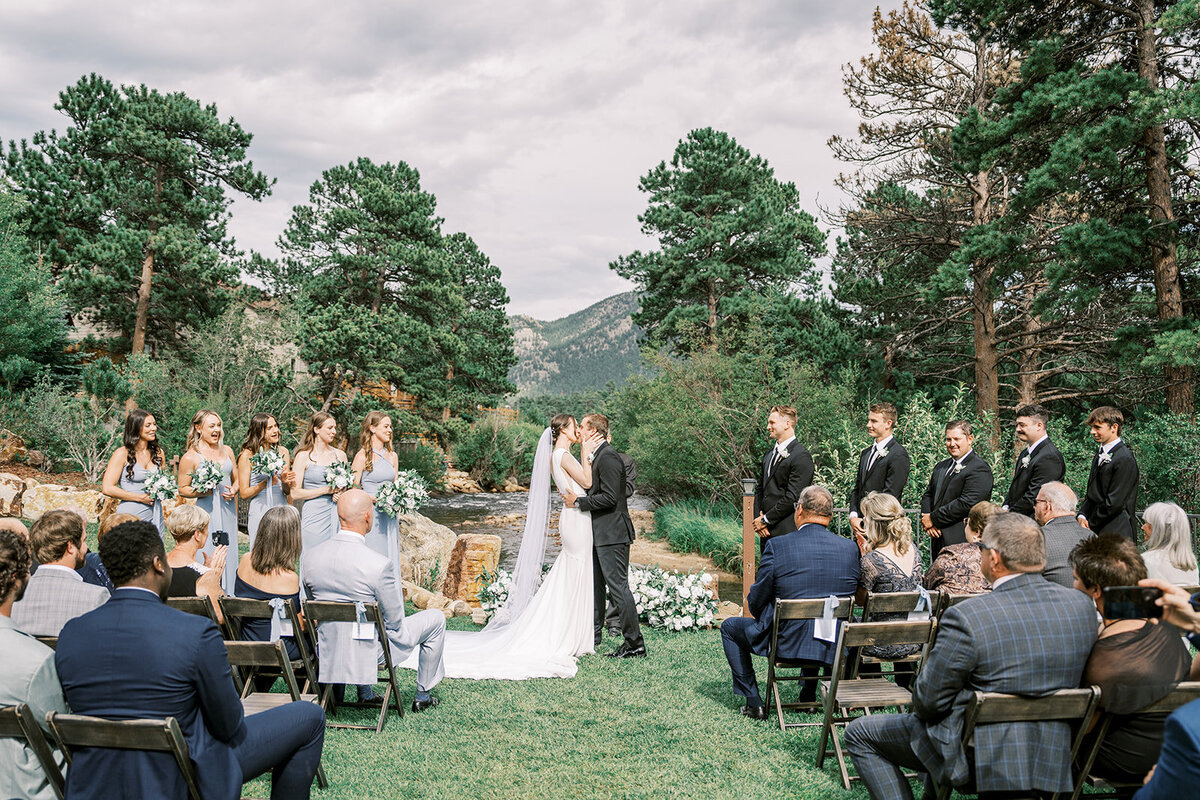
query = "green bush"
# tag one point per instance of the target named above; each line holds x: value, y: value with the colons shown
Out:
x: 710, y: 529
x: 495, y: 449
x: 429, y: 462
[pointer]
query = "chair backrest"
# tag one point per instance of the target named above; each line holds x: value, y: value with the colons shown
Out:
x: 319, y: 611
x: 236, y: 609
x: 17, y: 722
x: 201, y: 607
x: 1065, y: 705
x: 898, y: 602
x: 952, y: 600
x: 49, y: 641
x: 254, y: 655
x: 1180, y: 696
x: 155, y: 735
x: 854, y: 636
x: 811, y: 609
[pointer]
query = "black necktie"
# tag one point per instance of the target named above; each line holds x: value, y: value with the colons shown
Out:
x: 775, y: 459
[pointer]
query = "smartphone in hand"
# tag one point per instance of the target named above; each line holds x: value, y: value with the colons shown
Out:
x: 220, y: 538
x: 1131, y: 602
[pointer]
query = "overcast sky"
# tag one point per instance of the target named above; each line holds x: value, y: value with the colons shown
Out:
x: 531, y: 122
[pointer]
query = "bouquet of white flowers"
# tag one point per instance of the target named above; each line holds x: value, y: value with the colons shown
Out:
x: 161, y: 486
x: 339, y: 476
x: 673, y: 601
x: 207, y: 476
x: 402, y: 496
x: 494, y: 593
x: 267, y: 462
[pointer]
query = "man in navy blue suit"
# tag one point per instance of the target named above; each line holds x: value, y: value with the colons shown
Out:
x: 810, y: 562
x: 135, y: 657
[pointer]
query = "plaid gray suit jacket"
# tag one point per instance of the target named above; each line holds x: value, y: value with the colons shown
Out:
x: 1028, y: 637
x: 53, y: 597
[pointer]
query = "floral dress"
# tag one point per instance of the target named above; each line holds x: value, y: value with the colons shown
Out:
x: 880, y: 574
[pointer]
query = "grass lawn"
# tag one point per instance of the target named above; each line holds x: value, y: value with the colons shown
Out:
x: 663, y: 727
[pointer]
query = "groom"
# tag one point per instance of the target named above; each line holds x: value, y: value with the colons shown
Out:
x: 612, y: 533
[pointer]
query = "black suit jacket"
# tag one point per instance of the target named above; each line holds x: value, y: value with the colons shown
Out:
x: 889, y: 474
x: 777, y: 493
x: 948, y: 498
x: 1110, y: 504
x: 1045, y: 466
x: 606, y: 499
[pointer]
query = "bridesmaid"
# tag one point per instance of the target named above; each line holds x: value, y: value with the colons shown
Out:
x: 205, y: 442
x: 138, y: 456
x: 375, y: 464
x: 262, y: 492
x: 318, y: 515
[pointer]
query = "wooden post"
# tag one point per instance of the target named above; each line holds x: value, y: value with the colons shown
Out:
x: 749, y: 545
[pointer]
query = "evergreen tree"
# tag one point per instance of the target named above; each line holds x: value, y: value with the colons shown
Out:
x: 129, y: 206
x: 726, y: 226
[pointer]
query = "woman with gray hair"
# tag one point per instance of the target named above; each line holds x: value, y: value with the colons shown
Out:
x: 1168, y: 553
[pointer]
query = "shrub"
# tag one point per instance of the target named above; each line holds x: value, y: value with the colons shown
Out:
x: 495, y: 449
x: 428, y: 462
x: 709, y: 529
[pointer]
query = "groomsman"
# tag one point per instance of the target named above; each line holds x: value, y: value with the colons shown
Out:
x: 957, y: 483
x: 1111, y: 500
x: 1038, y: 464
x: 787, y: 468
x: 882, y: 467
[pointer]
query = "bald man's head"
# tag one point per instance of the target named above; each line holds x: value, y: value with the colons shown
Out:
x: 14, y: 524
x: 354, y: 511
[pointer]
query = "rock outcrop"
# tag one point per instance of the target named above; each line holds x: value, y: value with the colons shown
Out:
x: 37, y: 500
x: 473, y: 554
x: 12, y: 488
x: 12, y: 447
x: 424, y: 550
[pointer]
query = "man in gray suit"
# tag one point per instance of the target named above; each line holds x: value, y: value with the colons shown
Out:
x: 27, y: 675
x: 1028, y: 636
x: 1054, y: 510
x: 56, y: 593
x: 344, y: 569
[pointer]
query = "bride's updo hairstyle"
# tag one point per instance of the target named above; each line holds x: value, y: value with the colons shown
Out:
x: 886, y: 522
x: 558, y: 425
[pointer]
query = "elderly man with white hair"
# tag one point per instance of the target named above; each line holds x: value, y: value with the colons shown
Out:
x: 1054, y: 510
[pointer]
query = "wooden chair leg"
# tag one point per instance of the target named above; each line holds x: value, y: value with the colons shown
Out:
x: 841, y: 758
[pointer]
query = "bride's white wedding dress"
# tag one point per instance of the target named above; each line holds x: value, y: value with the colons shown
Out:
x: 555, y: 627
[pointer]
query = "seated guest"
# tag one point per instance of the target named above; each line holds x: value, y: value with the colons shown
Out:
x: 1135, y: 662
x: 1168, y: 553
x: 27, y: 675
x: 56, y: 593
x: 1178, y: 770
x: 1054, y: 510
x: 890, y: 563
x: 268, y: 571
x: 158, y: 663
x: 93, y: 570
x: 808, y: 563
x: 344, y: 569
x: 958, y: 569
x: 1027, y: 636
x: 16, y: 526
x: 189, y: 577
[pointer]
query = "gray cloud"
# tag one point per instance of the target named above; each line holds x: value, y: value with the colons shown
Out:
x: 531, y: 122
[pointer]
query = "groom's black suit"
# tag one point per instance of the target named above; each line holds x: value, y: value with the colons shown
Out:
x: 612, y: 533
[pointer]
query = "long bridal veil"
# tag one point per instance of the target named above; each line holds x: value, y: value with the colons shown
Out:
x: 527, y: 573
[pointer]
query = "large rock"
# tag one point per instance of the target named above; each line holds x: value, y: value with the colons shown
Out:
x: 457, y: 481
x: 11, y: 490
x: 424, y: 550
x: 12, y: 447
x: 48, y: 497
x: 473, y: 554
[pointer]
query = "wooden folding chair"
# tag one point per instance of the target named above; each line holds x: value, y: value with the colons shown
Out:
x: 896, y: 603
x: 786, y: 610
x: 237, y: 609
x: 949, y: 600
x: 18, y: 722
x: 845, y: 691
x: 249, y: 658
x: 1066, y: 705
x: 319, y: 612
x: 155, y: 735
x: 201, y: 607
x: 49, y: 641
x: 1181, y: 695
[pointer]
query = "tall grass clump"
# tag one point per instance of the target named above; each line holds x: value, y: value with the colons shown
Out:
x: 710, y: 529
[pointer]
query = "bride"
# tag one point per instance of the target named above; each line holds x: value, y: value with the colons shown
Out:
x: 540, y: 631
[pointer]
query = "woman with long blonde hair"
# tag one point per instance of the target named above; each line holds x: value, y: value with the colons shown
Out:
x: 375, y: 464
x: 318, y: 516
x: 206, y: 442
x: 890, y: 563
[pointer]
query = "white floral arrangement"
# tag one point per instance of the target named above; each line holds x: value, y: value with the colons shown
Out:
x: 402, y: 496
x: 267, y: 462
x: 339, y: 476
x: 207, y: 476
x: 671, y: 600
x: 495, y: 587
x: 161, y: 486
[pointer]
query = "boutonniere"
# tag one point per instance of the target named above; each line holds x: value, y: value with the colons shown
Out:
x: 1024, y: 462
x: 1104, y: 458
x: 784, y: 455
x: 883, y: 453
x: 958, y: 468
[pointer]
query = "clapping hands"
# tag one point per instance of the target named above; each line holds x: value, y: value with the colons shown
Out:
x: 209, y: 584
